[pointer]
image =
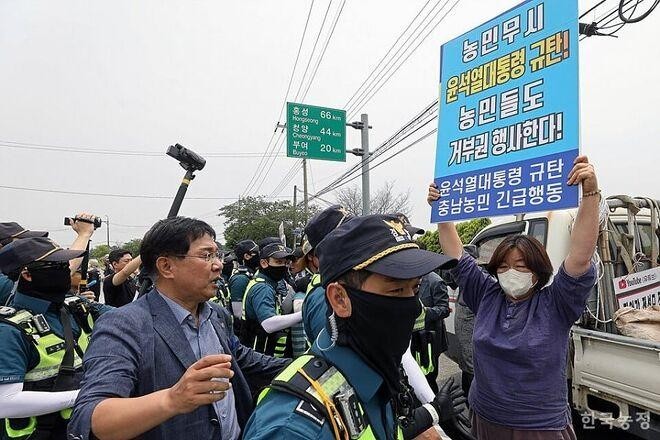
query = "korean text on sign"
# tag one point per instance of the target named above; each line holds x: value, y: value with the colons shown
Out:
x: 509, y: 106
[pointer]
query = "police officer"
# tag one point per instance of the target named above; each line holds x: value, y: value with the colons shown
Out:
x: 42, y: 339
x: 223, y: 295
x: 314, y: 306
x: 349, y: 386
x: 10, y: 231
x: 429, y: 336
x: 247, y: 258
x: 264, y: 328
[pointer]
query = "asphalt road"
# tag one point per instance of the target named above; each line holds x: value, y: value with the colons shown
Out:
x: 448, y: 368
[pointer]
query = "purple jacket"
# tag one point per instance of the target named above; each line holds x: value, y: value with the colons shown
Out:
x: 521, y: 349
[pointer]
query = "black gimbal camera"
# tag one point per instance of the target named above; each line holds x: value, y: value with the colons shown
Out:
x: 188, y: 159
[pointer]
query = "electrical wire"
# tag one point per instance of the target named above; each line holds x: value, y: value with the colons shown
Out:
x: 367, y: 100
x: 91, y: 150
x: 311, y: 56
x: 297, y: 166
x: 428, y: 113
x: 325, y: 47
x: 280, y: 142
x: 387, y: 53
x: 415, y: 34
x: 125, y: 196
x: 630, y: 19
x: 286, y: 94
x: 412, y: 144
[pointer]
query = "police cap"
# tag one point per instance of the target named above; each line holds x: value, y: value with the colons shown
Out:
x: 377, y: 243
x: 406, y: 224
x: 21, y: 253
x: 245, y: 247
x: 276, y: 250
x: 322, y: 223
x: 11, y: 230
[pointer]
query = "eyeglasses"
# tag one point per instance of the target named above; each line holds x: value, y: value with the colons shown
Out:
x: 208, y: 256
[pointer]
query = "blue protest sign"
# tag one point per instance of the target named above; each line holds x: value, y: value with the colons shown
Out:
x: 508, y: 129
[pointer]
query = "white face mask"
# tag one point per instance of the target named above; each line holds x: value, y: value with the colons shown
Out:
x: 515, y: 283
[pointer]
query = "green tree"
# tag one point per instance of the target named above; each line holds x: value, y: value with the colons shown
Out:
x: 256, y: 218
x: 466, y: 231
x: 133, y: 246
x: 99, y: 251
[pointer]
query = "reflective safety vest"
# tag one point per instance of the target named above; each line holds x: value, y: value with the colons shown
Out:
x: 254, y: 335
x: 42, y: 377
x: 325, y: 388
x: 421, y: 345
x: 222, y: 296
x: 314, y: 282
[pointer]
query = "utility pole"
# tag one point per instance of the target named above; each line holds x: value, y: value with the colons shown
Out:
x: 366, y: 200
x: 363, y: 126
x: 305, y: 194
x: 295, y: 213
x: 107, y: 230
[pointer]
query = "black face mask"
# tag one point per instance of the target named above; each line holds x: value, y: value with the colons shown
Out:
x: 252, y: 263
x: 379, y: 330
x: 275, y: 273
x: 51, y: 283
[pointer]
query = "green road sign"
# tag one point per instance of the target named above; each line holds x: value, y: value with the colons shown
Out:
x: 315, y: 132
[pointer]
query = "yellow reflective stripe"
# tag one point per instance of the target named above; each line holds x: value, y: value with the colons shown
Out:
x: 249, y: 286
x: 421, y: 319
x: 288, y: 372
x: 314, y: 282
x: 18, y: 433
x: 49, y: 364
x: 66, y: 413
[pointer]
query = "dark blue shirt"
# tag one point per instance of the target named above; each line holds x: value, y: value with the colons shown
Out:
x: 521, y: 348
x: 314, y: 311
x: 275, y: 417
x: 237, y: 284
x: 260, y: 302
x: 6, y: 286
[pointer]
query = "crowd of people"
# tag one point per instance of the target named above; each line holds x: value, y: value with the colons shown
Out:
x: 337, y: 338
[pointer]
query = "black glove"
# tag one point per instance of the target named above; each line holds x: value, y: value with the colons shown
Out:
x: 450, y: 401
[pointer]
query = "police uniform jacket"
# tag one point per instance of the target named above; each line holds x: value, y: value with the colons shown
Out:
x: 283, y: 416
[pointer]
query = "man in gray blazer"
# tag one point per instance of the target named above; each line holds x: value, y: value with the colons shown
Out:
x: 168, y: 365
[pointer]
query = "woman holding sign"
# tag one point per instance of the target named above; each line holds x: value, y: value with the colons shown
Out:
x: 522, y: 323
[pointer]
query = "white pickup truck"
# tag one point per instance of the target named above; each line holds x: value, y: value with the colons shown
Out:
x: 615, y: 379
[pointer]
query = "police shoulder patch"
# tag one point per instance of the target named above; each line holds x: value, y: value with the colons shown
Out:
x: 306, y: 409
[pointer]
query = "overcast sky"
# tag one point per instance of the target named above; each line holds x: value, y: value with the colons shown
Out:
x: 212, y: 75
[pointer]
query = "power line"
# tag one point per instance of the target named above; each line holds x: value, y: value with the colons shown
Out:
x: 366, y: 100
x: 286, y: 94
x: 91, y: 150
x: 397, y: 54
x: 309, y: 61
x: 387, y: 53
x: 125, y: 196
x: 325, y: 47
x: 297, y: 166
x: 429, y: 112
x: 412, y: 144
x: 281, y: 141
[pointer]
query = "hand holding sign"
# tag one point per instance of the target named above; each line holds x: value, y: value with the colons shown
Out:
x: 583, y: 172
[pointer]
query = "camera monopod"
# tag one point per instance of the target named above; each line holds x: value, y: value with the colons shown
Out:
x: 191, y: 162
